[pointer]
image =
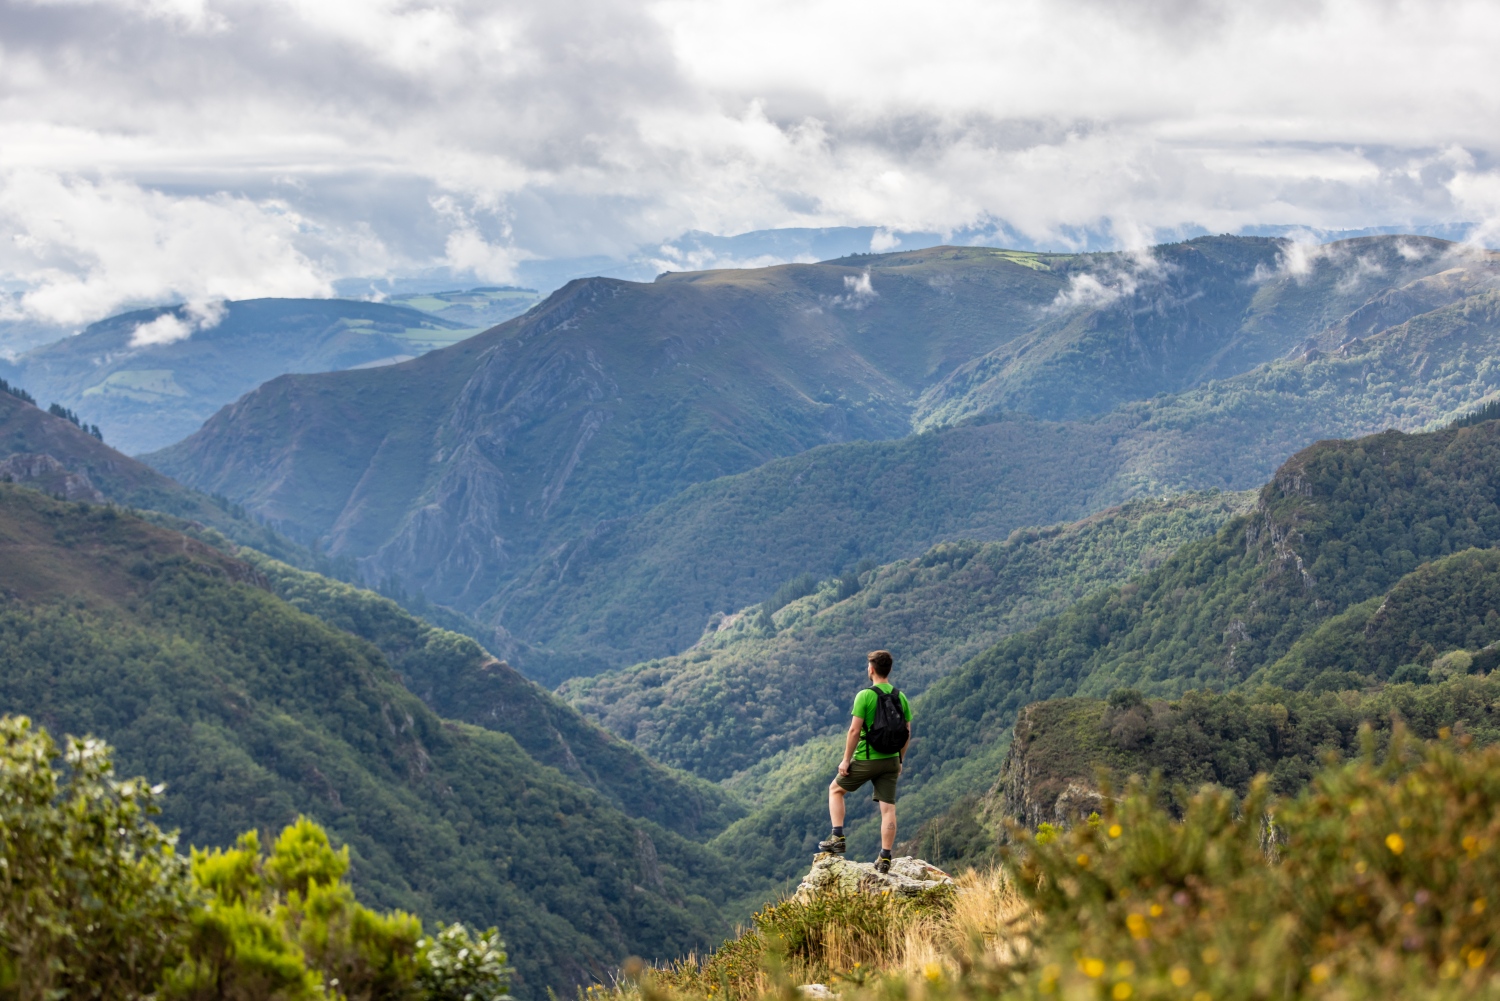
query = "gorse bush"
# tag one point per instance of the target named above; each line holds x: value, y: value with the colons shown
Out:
x: 1372, y: 882
x: 95, y: 901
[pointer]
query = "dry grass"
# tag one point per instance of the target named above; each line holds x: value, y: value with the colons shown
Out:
x: 987, y: 925
x: 845, y: 941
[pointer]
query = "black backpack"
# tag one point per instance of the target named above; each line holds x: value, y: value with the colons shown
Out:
x: 889, y: 732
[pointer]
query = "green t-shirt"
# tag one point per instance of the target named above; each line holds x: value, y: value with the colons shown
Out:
x: 864, y: 708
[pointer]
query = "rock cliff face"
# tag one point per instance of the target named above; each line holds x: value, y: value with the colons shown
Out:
x: 50, y: 475
x: 1048, y: 775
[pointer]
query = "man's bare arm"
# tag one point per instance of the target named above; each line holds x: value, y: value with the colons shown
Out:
x: 851, y: 741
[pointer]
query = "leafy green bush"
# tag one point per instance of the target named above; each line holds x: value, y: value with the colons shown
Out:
x: 94, y: 899
x: 95, y: 902
x: 457, y: 965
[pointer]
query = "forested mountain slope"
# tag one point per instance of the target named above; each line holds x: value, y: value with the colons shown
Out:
x: 646, y: 586
x: 461, y: 681
x: 57, y: 456
x: 1373, y: 536
x: 153, y: 376
x: 758, y: 684
x: 253, y: 712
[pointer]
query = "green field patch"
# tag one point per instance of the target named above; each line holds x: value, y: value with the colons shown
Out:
x: 145, y: 384
x: 433, y: 337
x: 1025, y: 258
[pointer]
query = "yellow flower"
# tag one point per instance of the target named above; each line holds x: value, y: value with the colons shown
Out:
x: 1396, y: 843
x: 1476, y: 958
x: 1477, y: 906
x: 933, y: 972
x: 1156, y: 910
x: 1115, y: 830
x: 1137, y: 926
x: 1083, y: 860
x: 1319, y: 973
x: 1124, y: 968
x: 1203, y: 996
x: 1180, y: 976
x: 1210, y: 955
x: 1122, y: 991
x: 1092, y: 967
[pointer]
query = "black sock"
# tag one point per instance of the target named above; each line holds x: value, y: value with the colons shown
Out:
x: 838, y: 832
x: 885, y: 853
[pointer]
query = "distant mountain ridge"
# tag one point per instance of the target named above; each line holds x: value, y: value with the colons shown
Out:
x: 598, y: 478
x: 463, y: 468
x: 146, y: 390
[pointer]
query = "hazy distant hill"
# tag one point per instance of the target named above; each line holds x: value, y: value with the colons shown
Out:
x: 476, y: 308
x: 151, y: 377
x: 1207, y: 309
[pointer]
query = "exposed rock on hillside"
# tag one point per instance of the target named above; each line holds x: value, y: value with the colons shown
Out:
x: 46, y: 473
x: 909, y: 877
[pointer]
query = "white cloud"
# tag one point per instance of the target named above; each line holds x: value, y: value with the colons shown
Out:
x: 178, y: 325
x: 858, y: 292
x: 209, y: 148
x: 86, y: 248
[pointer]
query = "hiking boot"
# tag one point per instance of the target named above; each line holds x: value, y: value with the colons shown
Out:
x: 883, y: 865
x: 833, y: 846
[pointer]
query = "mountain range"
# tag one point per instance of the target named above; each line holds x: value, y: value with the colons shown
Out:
x: 597, y: 479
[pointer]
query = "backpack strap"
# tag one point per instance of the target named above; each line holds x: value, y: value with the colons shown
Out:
x: 864, y: 724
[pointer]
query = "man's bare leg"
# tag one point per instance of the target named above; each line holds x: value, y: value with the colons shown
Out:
x: 887, y: 824
x: 836, y: 804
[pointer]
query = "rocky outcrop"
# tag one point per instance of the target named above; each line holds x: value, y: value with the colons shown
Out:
x: 909, y: 877
x: 47, y: 473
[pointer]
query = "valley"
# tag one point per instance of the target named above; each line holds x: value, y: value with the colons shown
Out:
x: 1205, y: 510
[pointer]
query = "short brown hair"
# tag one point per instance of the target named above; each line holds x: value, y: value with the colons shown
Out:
x: 880, y: 660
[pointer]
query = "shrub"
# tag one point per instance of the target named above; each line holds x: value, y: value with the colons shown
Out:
x: 1374, y: 881
x: 93, y: 895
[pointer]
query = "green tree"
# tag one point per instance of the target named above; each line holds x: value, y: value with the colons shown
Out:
x: 94, y: 897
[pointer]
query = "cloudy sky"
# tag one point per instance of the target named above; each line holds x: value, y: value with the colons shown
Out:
x: 153, y: 150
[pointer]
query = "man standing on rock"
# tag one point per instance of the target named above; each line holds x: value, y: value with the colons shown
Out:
x: 879, y: 730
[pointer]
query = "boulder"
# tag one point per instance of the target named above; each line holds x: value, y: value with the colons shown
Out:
x: 909, y: 877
